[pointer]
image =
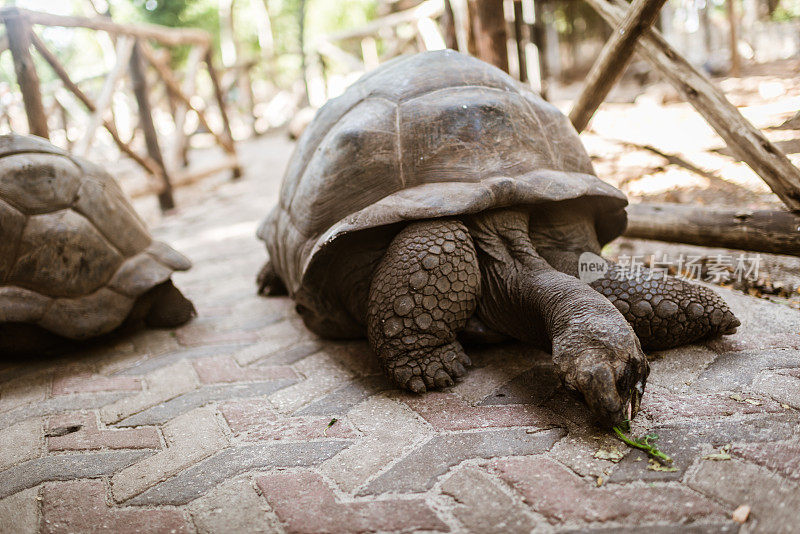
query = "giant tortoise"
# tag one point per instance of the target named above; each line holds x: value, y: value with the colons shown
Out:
x: 438, y: 197
x: 76, y: 261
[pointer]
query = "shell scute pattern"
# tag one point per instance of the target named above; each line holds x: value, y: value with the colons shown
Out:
x: 402, y: 144
x: 74, y: 255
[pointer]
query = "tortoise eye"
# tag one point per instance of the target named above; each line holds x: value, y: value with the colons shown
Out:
x: 300, y: 309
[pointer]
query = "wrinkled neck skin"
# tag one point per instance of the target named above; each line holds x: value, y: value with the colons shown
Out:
x: 523, y: 295
x: 561, y: 234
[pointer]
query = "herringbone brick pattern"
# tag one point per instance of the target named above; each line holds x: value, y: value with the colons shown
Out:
x: 244, y: 421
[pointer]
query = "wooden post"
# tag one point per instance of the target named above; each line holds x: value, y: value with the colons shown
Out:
x: 302, y: 43
x: 449, y: 26
x: 123, y: 54
x: 732, y: 23
x: 539, y: 36
x: 18, y: 30
x: 773, y: 232
x: 614, y: 57
x: 175, y: 91
x: 742, y: 137
x: 223, y: 112
x: 472, y: 24
x: 180, y: 141
x: 147, y: 164
x: 489, y: 27
x: 165, y: 199
x: 519, y: 37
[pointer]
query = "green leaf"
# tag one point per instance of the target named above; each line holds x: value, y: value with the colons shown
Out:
x: 645, y: 443
x: 333, y: 422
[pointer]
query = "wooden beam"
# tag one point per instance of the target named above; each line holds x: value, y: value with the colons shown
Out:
x: 174, y: 88
x: 429, y: 8
x: 162, y: 34
x: 18, y: 31
x: 429, y: 33
x: 613, y: 59
x: 489, y: 27
x: 773, y: 232
x: 180, y: 140
x: 220, y: 97
x: 742, y: 137
x: 123, y: 51
x: 147, y: 164
x: 139, y: 80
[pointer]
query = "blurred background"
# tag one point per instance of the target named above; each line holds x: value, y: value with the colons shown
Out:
x: 228, y: 80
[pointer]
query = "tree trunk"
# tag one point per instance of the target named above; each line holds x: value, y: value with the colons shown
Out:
x: 489, y: 26
x: 735, y: 61
x: 539, y: 36
x: 449, y: 26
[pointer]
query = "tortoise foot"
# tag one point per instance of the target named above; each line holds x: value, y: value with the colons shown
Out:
x: 420, y: 370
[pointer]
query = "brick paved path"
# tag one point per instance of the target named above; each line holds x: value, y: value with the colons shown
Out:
x: 224, y: 424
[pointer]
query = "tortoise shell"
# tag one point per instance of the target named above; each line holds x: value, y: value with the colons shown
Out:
x: 74, y: 255
x: 431, y: 135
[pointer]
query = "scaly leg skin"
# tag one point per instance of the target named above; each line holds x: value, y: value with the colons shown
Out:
x: 269, y: 283
x: 666, y: 312
x: 422, y: 293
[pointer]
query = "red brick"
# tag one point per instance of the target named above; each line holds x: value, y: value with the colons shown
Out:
x: 216, y: 370
x: 193, y: 335
x: 783, y: 458
x: 754, y: 341
x: 665, y: 406
x: 305, y: 503
x: 254, y: 420
x: 81, y: 506
x: 89, y: 437
x: 446, y: 411
x: 560, y: 495
x: 91, y: 383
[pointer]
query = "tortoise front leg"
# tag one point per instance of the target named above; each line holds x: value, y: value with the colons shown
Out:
x: 595, y: 351
x: 422, y: 293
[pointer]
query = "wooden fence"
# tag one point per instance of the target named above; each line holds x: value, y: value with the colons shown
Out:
x: 134, y: 53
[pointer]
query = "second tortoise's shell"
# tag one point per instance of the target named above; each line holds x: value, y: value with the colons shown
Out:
x: 74, y: 255
x: 431, y: 135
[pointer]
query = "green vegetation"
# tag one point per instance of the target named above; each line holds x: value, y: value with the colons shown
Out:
x: 645, y: 443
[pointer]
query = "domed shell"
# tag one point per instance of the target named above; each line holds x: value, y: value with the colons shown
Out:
x: 431, y: 135
x: 74, y: 255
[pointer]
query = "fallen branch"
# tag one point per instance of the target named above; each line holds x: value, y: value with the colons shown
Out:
x: 773, y: 232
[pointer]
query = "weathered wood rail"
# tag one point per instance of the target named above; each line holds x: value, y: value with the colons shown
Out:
x: 134, y: 55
